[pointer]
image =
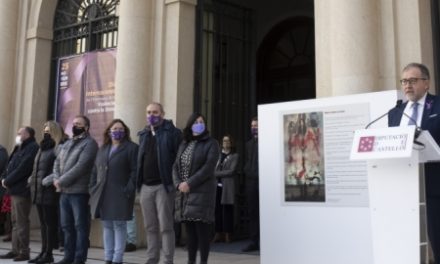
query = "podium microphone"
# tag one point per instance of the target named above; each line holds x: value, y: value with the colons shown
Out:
x: 398, y: 104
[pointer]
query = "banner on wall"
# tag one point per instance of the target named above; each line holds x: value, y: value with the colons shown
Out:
x: 86, y: 86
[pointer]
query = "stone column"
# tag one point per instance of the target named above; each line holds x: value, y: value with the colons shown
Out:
x: 8, y: 52
x: 134, y: 63
x: 347, y: 36
x: 178, y: 66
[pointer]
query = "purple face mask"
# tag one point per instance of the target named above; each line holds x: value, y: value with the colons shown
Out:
x: 117, y: 135
x: 198, y: 128
x: 254, y: 131
x: 153, y: 120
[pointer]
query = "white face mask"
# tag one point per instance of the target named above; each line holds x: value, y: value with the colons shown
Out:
x: 18, y: 140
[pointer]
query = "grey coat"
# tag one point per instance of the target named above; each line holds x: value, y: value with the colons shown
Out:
x: 226, y: 172
x: 113, y: 183
x: 73, y: 166
x: 199, y: 203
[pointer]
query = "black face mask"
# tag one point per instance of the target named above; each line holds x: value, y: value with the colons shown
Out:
x: 78, y: 130
x: 47, y: 136
x: 47, y: 142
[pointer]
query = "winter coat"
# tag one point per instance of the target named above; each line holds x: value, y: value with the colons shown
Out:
x: 168, y: 138
x: 226, y: 172
x: 74, y: 164
x: 112, y: 186
x: 20, y: 168
x: 43, y: 166
x: 199, y: 203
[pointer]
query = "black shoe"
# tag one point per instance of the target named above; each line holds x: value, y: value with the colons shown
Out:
x: 8, y: 238
x: 63, y: 261
x: 45, y: 259
x: 21, y: 257
x: 9, y: 255
x: 251, y: 247
x: 34, y: 260
x: 108, y: 262
x: 130, y: 247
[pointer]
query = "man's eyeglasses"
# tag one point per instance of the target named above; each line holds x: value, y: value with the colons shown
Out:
x: 410, y: 81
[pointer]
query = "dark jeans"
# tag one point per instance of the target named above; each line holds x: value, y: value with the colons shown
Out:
x: 253, y: 201
x: 199, y: 237
x: 74, y: 209
x: 48, y: 215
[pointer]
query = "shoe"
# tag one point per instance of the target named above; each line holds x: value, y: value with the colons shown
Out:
x: 218, y: 238
x: 228, y: 238
x: 108, y: 262
x: 45, y: 259
x: 130, y: 247
x: 22, y: 257
x: 7, y: 238
x: 251, y: 247
x: 63, y: 261
x: 9, y: 255
x: 61, y: 249
x: 34, y: 260
x: 78, y: 262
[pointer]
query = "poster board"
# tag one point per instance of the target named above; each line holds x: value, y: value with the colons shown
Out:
x: 85, y: 85
x: 335, y: 227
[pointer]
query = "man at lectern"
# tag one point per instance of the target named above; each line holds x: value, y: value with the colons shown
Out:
x: 422, y: 109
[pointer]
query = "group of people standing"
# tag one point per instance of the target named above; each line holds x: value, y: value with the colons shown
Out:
x: 177, y: 175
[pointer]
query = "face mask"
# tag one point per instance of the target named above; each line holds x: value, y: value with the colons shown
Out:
x: 47, y: 136
x: 78, y: 130
x: 18, y: 140
x: 198, y: 128
x: 47, y: 142
x: 153, y: 120
x: 117, y: 135
x: 254, y: 131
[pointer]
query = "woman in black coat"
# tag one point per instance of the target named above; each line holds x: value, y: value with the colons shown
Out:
x: 193, y: 175
x: 112, y: 188
x: 46, y: 198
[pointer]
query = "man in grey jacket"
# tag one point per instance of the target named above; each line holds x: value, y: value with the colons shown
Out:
x: 71, y: 174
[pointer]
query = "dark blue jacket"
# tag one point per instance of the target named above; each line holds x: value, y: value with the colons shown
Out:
x: 3, y: 159
x: 430, y: 122
x: 20, y: 168
x: 168, y: 138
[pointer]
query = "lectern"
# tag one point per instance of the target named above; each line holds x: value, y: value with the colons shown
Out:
x: 396, y: 190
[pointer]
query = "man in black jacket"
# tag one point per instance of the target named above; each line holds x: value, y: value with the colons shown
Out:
x: 15, y: 181
x: 158, y: 144
x: 252, y: 188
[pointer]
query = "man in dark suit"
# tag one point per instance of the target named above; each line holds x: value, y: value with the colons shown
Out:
x: 252, y: 188
x: 415, y: 85
x: 14, y: 180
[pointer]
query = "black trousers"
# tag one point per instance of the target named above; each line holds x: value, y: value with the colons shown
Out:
x: 48, y: 215
x: 433, y: 223
x: 224, y: 214
x: 199, y: 236
x: 253, y: 201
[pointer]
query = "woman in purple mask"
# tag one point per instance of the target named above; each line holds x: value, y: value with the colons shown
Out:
x: 193, y: 175
x: 113, y: 188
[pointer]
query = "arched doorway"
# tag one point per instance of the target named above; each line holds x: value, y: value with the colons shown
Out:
x: 286, y: 62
